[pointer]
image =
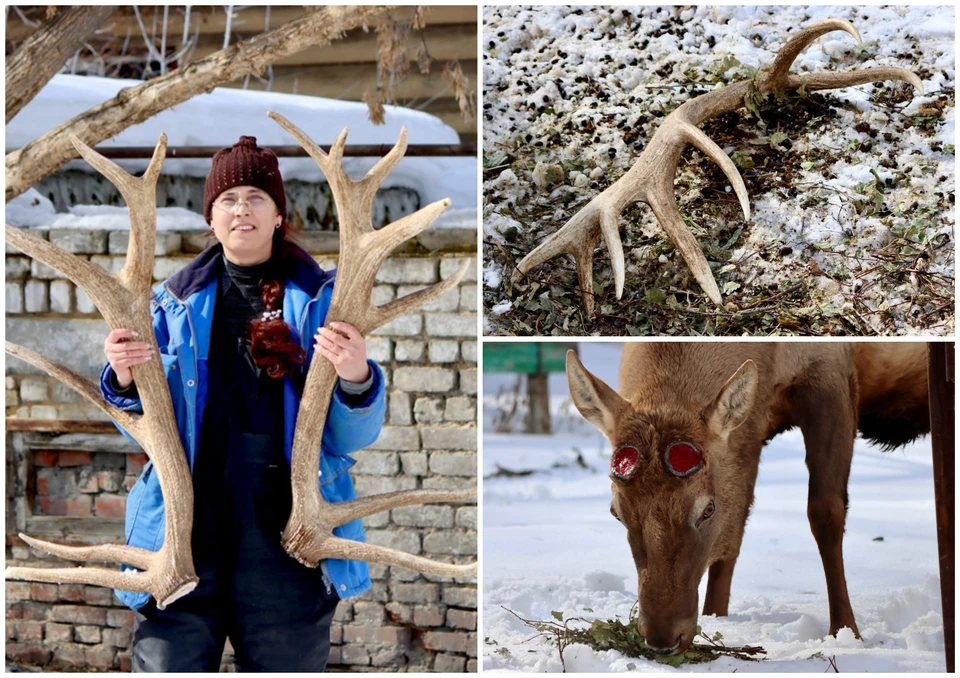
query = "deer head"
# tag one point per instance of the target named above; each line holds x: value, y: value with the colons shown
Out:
x: 668, y: 492
x: 650, y: 180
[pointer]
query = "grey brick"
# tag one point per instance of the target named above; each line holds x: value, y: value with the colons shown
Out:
x: 110, y: 264
x: 448, y: 301
x: 80, y: 241
x: 35, y: 294
x: 449, y: 266
x: 444, y: 351
x: 17, y: 267
x: 454, y: 463
x: 12, y: 398
x: 467, y: 517
x: 426, y: 515
x: 40, y: 271
x: 410, y: 270
x: 428, y: 410
x: 468, y: 350
x: 88, y: 635
x: 369, y: 613
x: 34, y: 389
x: 379, y: 349
x: 402, y: 574
x: 449, y: 437
x: 401, y: 411
x: 382, y: 294
x: 370, y: 485
x: 377, y: 571
x: 460, y: 408
x: 448, y: 541
x: 456, y: 483
x: 44, y: 412
x: 11, y: 382
x: 354, y: 655
x: 61, y: 296
x: 376, y: 463
x: 399, y: 613
x: 167, y: 243
x: 449, y: 663
x: 451, y: 324
x: 413, y: 463
x: 428, y: 379
x: 404, y: 540
x: 405, y: 326
x: 84, y: 305
x: 14, y: 297
x: 468, y: 297
x: 472, y: 665
x: 164, y: 267
x: 64, y: 394
x: 409, y: 350
x: 397, y: 438
x: 460, y: 596
x: 468, y: 381
x: 377, y: 521
x: 416, y: 593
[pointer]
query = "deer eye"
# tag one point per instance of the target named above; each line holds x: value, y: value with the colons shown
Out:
x: 707, y: 512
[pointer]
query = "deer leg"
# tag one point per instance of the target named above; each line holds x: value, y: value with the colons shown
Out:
x: 717, y: 599
x: 828, y: 424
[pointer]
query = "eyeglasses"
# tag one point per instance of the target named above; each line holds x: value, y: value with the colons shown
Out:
x: 255, y: 203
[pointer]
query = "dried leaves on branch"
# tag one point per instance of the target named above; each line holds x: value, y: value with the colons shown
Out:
x: 394, y: 54
x: 613, y: 634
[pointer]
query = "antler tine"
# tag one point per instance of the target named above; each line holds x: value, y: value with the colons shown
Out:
x: 104, y: 553
x: 669, y: 217
x: 78, y: 383
x: 650, y: 180
x: 366, y: 506
x: 393, y: 309
x: 384, y: 555
x: 308, y: 144
x: 386, y: 164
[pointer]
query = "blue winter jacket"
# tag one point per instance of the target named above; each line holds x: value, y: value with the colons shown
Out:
x: 182, y: 310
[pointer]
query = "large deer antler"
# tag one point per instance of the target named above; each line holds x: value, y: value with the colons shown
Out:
x: 124, y: 301
x: 308, y: 535
x: 650, y: 180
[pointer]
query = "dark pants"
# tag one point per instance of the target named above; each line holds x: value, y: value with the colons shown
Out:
x: 276, y: 612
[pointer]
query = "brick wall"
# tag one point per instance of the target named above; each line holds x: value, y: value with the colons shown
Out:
x: 429, y: 440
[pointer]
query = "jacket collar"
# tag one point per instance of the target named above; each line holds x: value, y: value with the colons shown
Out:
x: 207, y: 266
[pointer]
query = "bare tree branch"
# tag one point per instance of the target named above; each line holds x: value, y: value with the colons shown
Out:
x: 40, y: 158
x: 44, y: 53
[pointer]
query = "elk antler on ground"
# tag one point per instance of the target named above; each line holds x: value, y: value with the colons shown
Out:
x: 651, y: 178
x: 308, y: 535
x: 124, y: 301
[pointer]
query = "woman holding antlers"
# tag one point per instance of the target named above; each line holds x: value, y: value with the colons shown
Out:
x: 231, y: 327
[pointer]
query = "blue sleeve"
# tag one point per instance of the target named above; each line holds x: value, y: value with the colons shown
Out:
x: 351, y: 428
x: 107, y: 391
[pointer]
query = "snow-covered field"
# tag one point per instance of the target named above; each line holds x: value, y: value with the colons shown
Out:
x: 550, y: 544
x: 219, y: 119
x: 847, y: 188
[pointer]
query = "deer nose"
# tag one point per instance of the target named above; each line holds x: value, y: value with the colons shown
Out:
x: 667, y: 650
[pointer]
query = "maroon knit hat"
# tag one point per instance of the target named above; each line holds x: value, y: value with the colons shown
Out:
x: 246, y: 164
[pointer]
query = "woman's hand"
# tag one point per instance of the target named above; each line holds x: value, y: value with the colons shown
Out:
x: 123, y: 353
x: 344, y: 346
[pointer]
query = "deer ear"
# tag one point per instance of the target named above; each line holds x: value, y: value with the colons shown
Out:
x: 598, y: 403
x: 734, y: 401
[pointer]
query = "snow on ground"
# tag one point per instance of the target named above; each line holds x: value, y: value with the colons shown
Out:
x: 550, y: 544
x: 221, y: 117
x: 580, y: 90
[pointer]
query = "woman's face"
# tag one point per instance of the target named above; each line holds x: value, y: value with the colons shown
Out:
x: 244, y: 219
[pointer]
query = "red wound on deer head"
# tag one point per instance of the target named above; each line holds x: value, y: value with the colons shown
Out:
x: 624, y: 461
x: 683, y: 459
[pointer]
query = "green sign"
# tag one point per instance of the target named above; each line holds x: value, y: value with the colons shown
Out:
x: 525, y: 358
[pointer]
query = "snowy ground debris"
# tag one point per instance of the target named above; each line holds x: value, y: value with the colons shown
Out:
x: 852, y: 190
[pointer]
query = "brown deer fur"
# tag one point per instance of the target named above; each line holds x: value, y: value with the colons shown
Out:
x: 728, y: 399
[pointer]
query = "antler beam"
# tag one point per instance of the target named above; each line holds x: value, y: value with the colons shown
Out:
x: 308, y: 535
x: 650, y: 180
x: 124, y: 301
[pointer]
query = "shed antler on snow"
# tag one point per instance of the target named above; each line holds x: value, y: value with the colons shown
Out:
x: 124, y: 301
x: 308, y: 536
x: 651, y: 178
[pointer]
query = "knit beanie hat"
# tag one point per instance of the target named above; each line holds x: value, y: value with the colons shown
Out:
x: 246, y: 164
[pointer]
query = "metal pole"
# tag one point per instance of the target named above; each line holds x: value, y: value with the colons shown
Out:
x: 941, y: 386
